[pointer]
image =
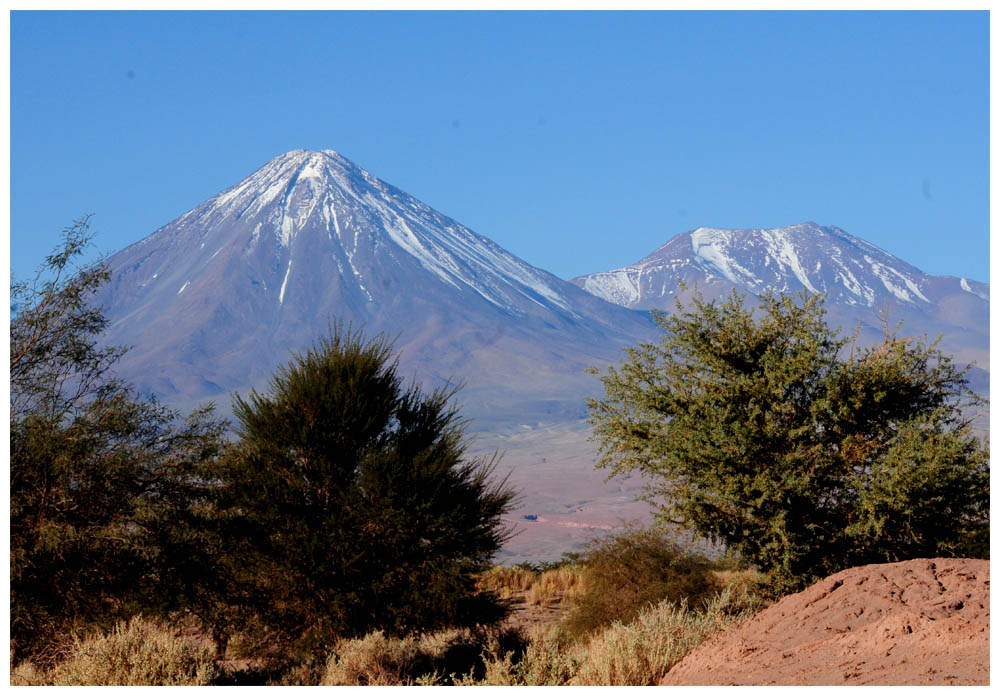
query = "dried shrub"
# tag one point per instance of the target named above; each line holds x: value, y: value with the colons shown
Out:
x: 548, y: 659
x: 136, y: 653
x: 431, y: 659
x: 377, y: 660
x: 643, y: 651
x: 626, y: 572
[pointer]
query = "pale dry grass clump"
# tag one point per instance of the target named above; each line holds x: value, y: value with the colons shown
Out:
x: 540, y: 594
x: 507, y: 581
x: 643, y: 651
x: 134, y: 653
x: 565, y: 579
x: 546, y: 660
x: 377, y: 660
x: 538, y: 588
x: 639, y: 652
x: 432, y: 659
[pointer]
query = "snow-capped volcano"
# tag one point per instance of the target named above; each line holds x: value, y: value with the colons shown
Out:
x: 862, y: 282
x: 302, y: 191
x: 303, y: 203
x: 216, y: 299
x: 846, y: 268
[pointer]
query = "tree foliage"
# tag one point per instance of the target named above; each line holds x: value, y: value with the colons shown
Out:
x: 350, y: 503
x: 103, y: 481
x: 806, y: 454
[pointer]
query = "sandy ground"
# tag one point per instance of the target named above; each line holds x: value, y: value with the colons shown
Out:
x: 564, y: 501
x: 917, y: 622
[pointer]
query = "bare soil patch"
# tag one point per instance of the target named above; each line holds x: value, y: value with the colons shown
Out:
x: 924, y: 621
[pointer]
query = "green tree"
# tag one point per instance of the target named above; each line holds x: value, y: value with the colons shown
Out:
x: 767, y: 432
x: 105, y: 484
x: 351, y: 505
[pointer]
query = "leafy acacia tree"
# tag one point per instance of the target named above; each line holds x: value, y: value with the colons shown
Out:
x: 767, y: 432
x: 104, y: 482
x: 350, y: 503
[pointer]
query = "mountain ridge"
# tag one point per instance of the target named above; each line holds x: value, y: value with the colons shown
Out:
x: 866, y: 287
x: 707, y: 253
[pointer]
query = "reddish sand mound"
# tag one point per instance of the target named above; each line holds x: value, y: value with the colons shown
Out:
x: 917, y: 622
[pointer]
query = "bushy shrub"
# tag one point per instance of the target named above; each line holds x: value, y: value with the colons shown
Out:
x: 136, y: 653
x: 625, y: 572
x: 350, y: 504
x: 764, y: 430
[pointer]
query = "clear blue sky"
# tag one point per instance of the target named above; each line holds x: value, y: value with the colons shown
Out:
x: 579, y: 141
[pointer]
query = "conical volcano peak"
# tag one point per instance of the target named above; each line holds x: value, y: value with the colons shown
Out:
x: 313, y: 161
x: 287, y: 170
x: 311, y: 226
x: 300, y: 156
x: 310, y: 237
x: 289, y: 190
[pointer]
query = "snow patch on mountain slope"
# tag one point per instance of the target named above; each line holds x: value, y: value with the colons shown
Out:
x: 968, y: 288
x: 712, y: 246
x: 281, y: 293
x: 890, y: 277
x: 782, y: 250
x: 620, y: 286
x: 856, y: 287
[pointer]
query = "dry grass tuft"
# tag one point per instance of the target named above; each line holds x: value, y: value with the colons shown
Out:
x: 503, y: 580
x: 376, y: 660
x: 639, y: 652
x: 538, y: 588
x: 433, y: 659
x: 546, y: 660
x: 135, y: 653
x: 643, y: 651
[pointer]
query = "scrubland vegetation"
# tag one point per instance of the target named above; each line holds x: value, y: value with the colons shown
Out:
x: 339, y: 534
x: 614, y: 651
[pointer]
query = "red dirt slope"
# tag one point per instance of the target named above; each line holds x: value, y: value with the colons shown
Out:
x: 917, y: 622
